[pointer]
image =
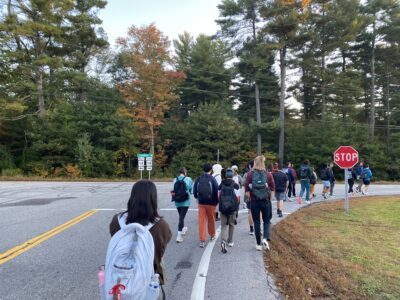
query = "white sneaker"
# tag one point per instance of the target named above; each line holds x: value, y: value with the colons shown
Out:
x: 179, y: 238
x: 258, y: 247
x: 184, y: 230
x: 230, y: 244
x: 308, y: 201
x: 265, y: 244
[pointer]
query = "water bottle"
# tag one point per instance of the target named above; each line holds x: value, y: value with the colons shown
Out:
x: 154, y: 287
x: 101, y: 276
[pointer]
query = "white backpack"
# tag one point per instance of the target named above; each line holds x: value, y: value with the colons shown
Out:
x: 129, y: 261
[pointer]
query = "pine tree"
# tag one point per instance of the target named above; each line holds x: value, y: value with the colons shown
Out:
x: 207, y: 79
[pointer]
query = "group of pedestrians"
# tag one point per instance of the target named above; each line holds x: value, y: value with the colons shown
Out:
x: 215, y: 187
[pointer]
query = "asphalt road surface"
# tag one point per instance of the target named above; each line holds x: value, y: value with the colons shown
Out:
x: 54, y: 236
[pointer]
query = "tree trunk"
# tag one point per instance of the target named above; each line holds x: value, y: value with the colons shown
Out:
x: 257, y: 94
x: 258, y: 115
x: 282, y: 105
x: 39, y: 85
x: 323, y: 113
x: 388, y: 110
x: 151, y: 134
x: 372, y: 116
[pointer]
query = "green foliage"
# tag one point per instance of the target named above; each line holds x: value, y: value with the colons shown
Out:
x: 84, y: 154
x: 56, y: 120
x: 190, y: 158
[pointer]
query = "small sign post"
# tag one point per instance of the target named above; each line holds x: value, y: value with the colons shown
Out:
x: 346, y: 157
x: 145, y: 159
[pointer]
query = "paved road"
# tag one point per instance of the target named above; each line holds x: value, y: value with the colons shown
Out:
x: 63, y: 263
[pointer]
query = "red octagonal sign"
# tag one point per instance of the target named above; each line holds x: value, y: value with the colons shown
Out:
x: 345, y: 157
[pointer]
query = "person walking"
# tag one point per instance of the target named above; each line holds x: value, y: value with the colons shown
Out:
x: 281, y: 186
x: 182, y: 189
x: 229, y: 199
x: 351, y: 177
x: 205, y: 190
x: 313, y: 181
x: 366, y: 176
x: 332, y: 179
x: 260, y: 187
x: 305, y: 176
x: 142, y: 209
x: 292, y: 176
x: 359, y: 169
x: 217, y: 171
x: 326, y: 180
x: 247, y: 201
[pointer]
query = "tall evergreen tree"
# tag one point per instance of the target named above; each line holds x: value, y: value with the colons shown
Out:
x: 240, y: 24
x: 207, y: 78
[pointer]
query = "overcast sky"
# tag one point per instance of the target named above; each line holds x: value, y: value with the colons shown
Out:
x: 172, y: 17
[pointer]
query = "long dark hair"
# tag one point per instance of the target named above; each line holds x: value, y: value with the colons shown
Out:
x: 142, y: 205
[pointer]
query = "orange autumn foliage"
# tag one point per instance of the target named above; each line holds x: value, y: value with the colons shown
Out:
x: 149, y: 89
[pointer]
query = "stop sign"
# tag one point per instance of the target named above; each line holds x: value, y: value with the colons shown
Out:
x: 345, y: 157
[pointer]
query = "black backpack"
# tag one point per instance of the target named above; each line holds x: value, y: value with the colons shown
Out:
x: 227, y: 200
x: 313, y: 179
x: 204, y: 189
x: 180, y: 192
x: 304, y: 172
x: 324, y: 174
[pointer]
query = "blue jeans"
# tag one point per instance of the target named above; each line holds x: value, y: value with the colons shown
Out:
x: 305, y: 186
x: 265, y: 208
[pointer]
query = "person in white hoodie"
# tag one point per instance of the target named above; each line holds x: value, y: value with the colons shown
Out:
x: 216, y: 173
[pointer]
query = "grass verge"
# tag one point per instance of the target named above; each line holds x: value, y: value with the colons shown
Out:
x: 320, y: 252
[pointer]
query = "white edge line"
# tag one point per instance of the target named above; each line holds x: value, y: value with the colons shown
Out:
x: 199, y: 284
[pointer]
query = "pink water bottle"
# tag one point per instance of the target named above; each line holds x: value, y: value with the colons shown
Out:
x: 102, y: 279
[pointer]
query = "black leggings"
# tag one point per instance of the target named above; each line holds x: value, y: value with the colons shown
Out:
x: 182, y: 214
x: 351, y: 183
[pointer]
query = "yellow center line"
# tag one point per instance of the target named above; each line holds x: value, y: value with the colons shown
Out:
x: 10, y: 254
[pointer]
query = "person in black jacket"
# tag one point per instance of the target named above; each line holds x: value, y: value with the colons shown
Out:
x: 205, y: 190
x: 351, y: 177
x: 281, y: 186
x: 326, y: 180
x: 228, y: 222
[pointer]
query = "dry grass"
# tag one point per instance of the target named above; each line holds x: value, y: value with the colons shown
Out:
x: 321, y: 253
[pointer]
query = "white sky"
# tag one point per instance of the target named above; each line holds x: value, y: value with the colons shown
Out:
x: 172, y: 17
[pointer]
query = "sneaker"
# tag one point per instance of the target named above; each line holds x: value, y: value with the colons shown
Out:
x: 184, y: 230
x: 213, y: 238
x: 179, y: 238
x: 308, y: 201
x: 223, y: 247
x: 258, y: 247
x: 265, y: 245
x: 280, y: 215
x: 324, y: 195
x: 299, y: 200
x: 202, y: 244
x: 230, y: 244
x: 251, y: 232
x: 290, y: 199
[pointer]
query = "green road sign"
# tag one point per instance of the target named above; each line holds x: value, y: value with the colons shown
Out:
x: 144, y: 155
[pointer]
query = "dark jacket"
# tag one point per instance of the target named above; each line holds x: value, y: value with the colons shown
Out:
x: 161, y: 235
x: 214, y: 199
x: 227, y: 182
x: 326, y: 174
x: 280, y: 180
x: 309, y: 172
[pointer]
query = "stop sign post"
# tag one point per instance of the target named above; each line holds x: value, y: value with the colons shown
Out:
x: 346, y: 157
